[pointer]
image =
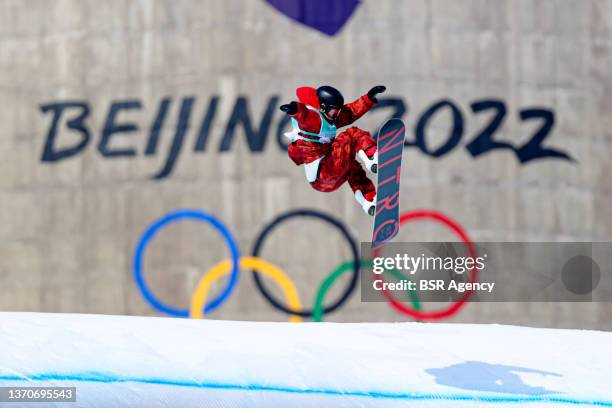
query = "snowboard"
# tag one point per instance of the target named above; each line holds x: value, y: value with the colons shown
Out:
x: 390, y: 149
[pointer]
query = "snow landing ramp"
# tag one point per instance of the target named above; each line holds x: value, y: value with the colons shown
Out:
x: 121, y: 361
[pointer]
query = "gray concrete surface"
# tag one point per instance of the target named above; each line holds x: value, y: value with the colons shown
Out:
x: 68, y: 229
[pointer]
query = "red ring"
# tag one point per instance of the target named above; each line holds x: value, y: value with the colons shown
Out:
x: 454, y: 307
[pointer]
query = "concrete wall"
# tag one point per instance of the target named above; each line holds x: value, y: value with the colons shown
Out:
x: 68, y: 227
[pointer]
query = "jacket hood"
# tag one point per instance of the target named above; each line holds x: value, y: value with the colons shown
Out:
x: 308, y: 96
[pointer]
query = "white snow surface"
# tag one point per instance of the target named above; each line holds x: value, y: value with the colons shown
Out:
x: 126, y: 361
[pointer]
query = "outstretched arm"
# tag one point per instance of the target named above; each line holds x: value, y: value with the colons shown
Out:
x: 307, y: 119
x: 354, y: 110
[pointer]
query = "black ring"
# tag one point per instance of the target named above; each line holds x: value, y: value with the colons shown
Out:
x: 322, y: 216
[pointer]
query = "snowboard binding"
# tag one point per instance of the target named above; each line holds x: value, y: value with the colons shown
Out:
x: 369, y: 207
x: 370, y: 162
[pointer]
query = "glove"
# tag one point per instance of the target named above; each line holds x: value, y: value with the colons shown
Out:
x: 375, y: 91
x: 290, y: 108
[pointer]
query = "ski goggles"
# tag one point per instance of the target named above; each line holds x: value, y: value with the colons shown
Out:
x: 332, y: 112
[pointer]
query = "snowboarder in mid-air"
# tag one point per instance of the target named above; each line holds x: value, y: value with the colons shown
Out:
x: 329, y: 158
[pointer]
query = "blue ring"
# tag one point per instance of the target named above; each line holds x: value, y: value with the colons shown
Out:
x: 170, y: 218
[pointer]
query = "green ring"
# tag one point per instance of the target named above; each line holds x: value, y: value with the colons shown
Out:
x: 317, y: 311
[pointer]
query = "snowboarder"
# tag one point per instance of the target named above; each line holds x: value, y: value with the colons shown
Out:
x: 330, y: 158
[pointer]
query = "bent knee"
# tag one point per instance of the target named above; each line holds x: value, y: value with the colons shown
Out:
x: 358, y: 131
x: 325, y: 187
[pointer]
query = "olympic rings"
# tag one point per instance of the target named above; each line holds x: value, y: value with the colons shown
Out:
x: 454, y: 307
x: 154, y: 228
x: 294, y: 306
x: 317, y: 313
x: 330, y: 220
x: 222, y: 268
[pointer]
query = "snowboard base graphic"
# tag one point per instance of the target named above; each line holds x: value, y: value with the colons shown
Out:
x: 390, y: 149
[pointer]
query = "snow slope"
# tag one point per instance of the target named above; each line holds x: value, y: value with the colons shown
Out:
x: 162, y: 362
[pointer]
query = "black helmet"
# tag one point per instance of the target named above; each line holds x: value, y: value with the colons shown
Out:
x: 329, y: 97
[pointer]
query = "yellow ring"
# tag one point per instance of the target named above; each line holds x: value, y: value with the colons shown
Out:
x: 198, y: 298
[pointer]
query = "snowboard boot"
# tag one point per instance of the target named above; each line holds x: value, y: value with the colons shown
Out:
x: 369, y: 207
x: 370, y: 162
